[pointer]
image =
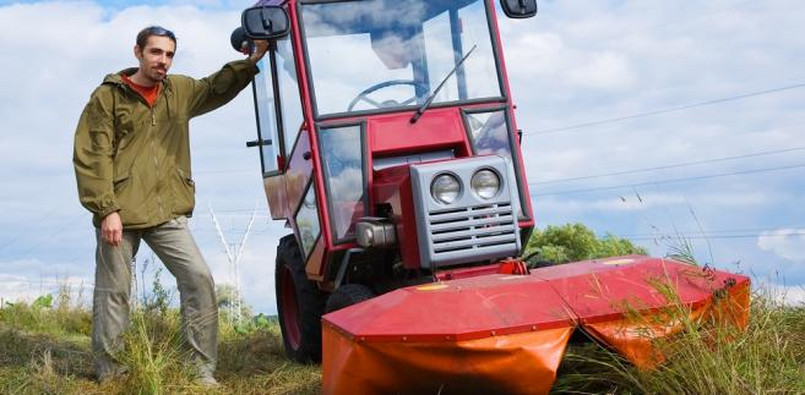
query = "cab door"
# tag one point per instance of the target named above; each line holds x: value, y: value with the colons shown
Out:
x: 283, y: 139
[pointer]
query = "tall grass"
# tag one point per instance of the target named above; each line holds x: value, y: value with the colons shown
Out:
x: 706, y: 358
x: 64, y: 318
x: 153, y: 355
x: 45, y: 349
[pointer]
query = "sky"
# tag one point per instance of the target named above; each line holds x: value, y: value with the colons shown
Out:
x: 676, y: 124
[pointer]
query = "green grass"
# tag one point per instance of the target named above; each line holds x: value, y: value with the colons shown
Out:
x: 46, y: 350
x: 768, y: 357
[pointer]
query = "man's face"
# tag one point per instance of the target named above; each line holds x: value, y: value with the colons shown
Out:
x: 156, y: 58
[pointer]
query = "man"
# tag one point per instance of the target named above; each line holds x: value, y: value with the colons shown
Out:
x: 132, y: 165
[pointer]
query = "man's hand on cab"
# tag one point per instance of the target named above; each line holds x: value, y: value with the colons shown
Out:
x: 260, y: 49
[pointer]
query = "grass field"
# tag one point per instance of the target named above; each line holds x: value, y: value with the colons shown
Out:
x: 44, y: 349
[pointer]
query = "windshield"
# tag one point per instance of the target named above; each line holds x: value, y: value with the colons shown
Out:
x: 386, y: 54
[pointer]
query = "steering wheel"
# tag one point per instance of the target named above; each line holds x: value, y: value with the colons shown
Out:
x: 363, y: 96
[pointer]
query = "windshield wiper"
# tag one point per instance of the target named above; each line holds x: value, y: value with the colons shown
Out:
x: 421, y: 110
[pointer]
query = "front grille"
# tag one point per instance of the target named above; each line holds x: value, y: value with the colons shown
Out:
x: 472, y: 229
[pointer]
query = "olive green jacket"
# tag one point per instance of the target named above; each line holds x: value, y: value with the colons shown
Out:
x: 134, y: 159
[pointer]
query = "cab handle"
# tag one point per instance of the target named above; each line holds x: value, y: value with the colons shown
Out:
x: 258, y: 143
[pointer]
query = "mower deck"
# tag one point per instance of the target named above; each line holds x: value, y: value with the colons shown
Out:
x: 477, y: 334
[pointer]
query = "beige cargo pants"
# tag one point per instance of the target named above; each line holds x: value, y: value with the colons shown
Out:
x: 174, y: 245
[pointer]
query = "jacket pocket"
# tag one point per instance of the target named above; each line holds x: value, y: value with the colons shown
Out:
x: 125, y: 123
x: 120, y: 183
x: 184, y: 193
x: 129, y: 197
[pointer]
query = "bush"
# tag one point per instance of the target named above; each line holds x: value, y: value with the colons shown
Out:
x: 574, y: 242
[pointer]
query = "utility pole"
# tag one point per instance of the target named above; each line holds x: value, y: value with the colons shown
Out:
x: 234, y: 260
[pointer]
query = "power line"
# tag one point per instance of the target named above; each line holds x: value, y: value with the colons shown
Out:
x: 711, y: 237
x: 246, y: 211
x: 671, y: 166
x: 227, y: 171
x: 668, y: 110
x: 668, y: 181
x: 796, y: 228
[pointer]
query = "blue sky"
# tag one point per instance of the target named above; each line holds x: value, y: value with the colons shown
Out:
x: 705, y: 97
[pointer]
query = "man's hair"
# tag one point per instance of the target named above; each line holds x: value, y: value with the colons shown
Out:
x: 143, y: 35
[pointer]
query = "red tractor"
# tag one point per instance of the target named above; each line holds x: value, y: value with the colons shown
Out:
x: 389, y: 145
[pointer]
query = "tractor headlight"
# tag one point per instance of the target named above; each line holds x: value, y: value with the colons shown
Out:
x: 445, y: 188
x: 485, y: 183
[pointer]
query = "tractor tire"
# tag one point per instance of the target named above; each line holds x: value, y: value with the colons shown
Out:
x: 348, y: 295
x: 300, y: 304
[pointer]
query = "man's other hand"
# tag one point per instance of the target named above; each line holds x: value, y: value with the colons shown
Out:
x: 260, y: 48
x: 112, y: 229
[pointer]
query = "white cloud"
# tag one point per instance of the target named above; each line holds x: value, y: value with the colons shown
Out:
x: 15, y: 288
x: 786, y: 243
x: 576, y: 62
x: 785, y: 294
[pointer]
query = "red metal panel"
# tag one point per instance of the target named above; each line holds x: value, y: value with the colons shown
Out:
x: 393, y: 134
x: 393, y: 186
x: 591, y: 291
x: 463, y: 309
x: 602, y: 290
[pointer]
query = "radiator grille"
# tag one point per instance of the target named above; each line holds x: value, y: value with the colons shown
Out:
x: 478, y: 228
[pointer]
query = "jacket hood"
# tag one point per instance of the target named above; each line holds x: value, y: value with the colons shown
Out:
x: 116, y: 79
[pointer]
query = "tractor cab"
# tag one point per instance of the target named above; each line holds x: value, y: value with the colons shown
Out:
x: 388, y: 144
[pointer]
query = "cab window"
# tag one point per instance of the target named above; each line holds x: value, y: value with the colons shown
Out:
x: 278, y: 106
x: 290, y: 104
x: 266, y: 118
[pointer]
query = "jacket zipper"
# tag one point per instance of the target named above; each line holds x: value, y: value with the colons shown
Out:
x: 156, y: 163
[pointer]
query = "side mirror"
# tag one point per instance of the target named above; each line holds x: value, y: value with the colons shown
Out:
x: 519, y: 9
x: 265, y: 22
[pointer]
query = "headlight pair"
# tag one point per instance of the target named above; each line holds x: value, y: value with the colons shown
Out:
x: 446, y: 188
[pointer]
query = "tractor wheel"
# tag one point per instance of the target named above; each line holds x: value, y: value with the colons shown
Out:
x: 300, y: 304
x: 348, y: 295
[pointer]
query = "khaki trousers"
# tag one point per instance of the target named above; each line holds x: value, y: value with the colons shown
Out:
x: 176, y: 248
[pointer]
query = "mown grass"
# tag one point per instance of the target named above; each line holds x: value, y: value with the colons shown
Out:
x: 46, y: 350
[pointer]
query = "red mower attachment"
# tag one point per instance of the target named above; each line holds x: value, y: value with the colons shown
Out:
x: 507, y: 333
